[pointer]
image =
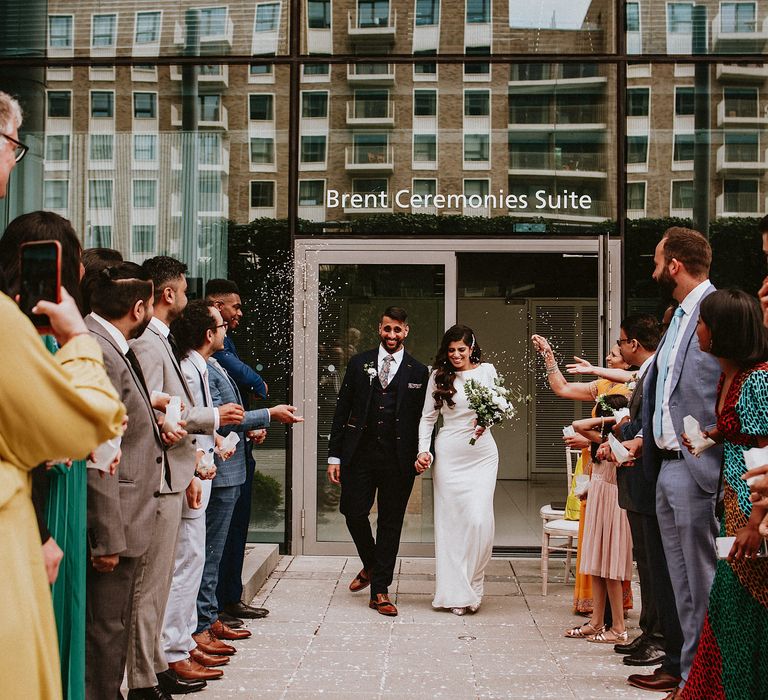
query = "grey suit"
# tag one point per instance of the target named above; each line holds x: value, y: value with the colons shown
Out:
x: 685, y: 490
x: 155, y: 568
x: 121, y: 511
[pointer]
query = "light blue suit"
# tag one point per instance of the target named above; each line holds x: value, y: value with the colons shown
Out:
x: 686, y: 488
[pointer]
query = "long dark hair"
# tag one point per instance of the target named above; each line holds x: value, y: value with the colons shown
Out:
x: 445, y: 372
x: 41, y: 226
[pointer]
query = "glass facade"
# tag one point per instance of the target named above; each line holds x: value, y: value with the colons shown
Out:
x: 270, y: 141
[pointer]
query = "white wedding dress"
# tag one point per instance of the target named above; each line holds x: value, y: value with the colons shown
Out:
x: 464, y: 478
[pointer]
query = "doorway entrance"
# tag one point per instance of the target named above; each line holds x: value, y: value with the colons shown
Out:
x: 504, y: 290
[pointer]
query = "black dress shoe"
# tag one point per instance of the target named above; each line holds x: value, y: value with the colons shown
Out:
x: 648, y: 655
x: 154, y: 693
x: 230, y: 620
x: 631, y: 647
x: 243, y: 610
x: 172, y: 684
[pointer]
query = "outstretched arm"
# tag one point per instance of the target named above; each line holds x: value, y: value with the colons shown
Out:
x: 582, y: 366
x: 576, y: 391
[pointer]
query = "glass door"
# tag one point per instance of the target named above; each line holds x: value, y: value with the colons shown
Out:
x: 345, y: 293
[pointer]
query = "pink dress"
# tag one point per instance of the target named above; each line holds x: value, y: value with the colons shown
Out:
x: 607, y: 544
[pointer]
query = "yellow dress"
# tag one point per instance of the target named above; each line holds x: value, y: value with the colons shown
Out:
x: 50, y: 407
x: 582, y: 591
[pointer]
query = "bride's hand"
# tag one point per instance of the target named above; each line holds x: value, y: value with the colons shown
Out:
x: 423, y: 460
x: 479, y: 429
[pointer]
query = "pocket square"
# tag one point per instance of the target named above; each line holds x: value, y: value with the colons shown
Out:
x: 414, y: 386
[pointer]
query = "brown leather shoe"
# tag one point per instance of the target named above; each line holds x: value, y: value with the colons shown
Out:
x: 383, y: 605
x: 221, y: 631
x: 190, y: 670
x: 361, y: 581
x: 208, y: 660
x: 210, y: 645
x: 659, y: 681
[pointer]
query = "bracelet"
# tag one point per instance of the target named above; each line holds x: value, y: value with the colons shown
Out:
x: 551, y: 370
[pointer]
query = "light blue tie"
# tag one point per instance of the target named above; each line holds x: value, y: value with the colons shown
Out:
x: 663, y: 368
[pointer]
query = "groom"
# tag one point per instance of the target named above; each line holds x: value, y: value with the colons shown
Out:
x: 373, y: 444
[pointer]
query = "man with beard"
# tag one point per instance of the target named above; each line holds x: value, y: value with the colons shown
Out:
x: 121, y: 507
x: 682, y: 380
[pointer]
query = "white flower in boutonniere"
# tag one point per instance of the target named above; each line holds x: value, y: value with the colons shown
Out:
x: 370, y: 370
x: 632, y: 383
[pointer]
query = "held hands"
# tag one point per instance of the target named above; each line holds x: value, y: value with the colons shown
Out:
x: 423, y: 462
x: 285, y: 414
x: 231, y: 414
x: 66, y: 321
x: 334, y: 472
x: 106, y: 563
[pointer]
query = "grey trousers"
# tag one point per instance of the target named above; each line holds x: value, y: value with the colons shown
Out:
x: 107, y: 613
x: 151, y: 586
x: 688, y: 527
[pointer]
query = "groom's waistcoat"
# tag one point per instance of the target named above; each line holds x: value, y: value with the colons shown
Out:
x: 381, y: 421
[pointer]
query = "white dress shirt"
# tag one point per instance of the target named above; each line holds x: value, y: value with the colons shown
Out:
x: 159, y: 326
x: 669, y: 439
x: 115, y: 333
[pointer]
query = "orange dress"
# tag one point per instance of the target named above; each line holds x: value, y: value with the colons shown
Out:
x: 582, y: 592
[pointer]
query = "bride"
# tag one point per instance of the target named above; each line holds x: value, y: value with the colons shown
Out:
x: 464, y: 475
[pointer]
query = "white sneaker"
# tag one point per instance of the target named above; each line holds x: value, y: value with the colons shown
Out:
x: 459, y: 611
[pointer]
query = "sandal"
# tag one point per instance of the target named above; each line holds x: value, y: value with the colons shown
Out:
x: 614, y: 638
x: 584, y: 631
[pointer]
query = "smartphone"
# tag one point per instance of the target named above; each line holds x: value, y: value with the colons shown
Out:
x: 40, y: 273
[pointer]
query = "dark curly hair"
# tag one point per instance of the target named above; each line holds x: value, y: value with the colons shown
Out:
x: 444, y: 370
x: 189, y: 330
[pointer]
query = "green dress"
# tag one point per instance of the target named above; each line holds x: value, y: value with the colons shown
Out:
x: 65, y: 514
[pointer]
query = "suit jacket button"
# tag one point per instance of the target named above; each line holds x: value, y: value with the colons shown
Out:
x: 159, y: 460
x: 156, y: 494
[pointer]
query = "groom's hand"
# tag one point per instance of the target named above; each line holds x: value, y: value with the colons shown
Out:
x: 423, y: 461
x: 333, y: 473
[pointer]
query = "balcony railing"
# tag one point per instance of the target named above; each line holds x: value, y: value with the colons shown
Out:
x: 754, y: 73
x: 739, y: 204
x: 372, y: 29
x: 741, y: 159
x: 739, y: 114
x: 371, y: 113
x: 740, y: 36
x: 371, y: 73
x: 370, y: 158
x: 564, y: 163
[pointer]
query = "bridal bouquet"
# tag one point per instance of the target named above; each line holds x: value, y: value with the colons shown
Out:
x: 490, y: 403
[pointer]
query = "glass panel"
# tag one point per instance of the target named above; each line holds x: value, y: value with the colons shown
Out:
x: 352, y: 298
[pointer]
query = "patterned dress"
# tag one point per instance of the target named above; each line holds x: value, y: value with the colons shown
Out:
x: 732, y: 659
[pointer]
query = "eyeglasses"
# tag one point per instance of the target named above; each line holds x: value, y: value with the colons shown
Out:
x: 19, y: 149
x: 221, y: 325
x: 623, y: 340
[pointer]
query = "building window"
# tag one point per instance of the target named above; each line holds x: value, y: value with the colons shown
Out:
x: 740, y: 196
x: 311, y: 193
x: 372, y: 13
x: 143, y: 239
x: 370, y: 186
x: 371, y: 104
x: 261, y: 108
x: 683, y: 148
x: 262, y: 151
x: 144, y: 194
x: 740, y: 102
x: 477, y: 68
x: 259, y: 69
x: 210, y: 149
x: 423, y: 188
x: 99, y: 194
x: 371, y: 148
x: 741, y: 147
x: 737, y: 17
x: 56, y: 194
x: 317, y: 69
x: 680, y: 18
x: 424, y: 148
x: 60, y: 103
x: 262, y: 194
x: 100, y: 237
x: 60, y: 31
x: 147, y: 28
x: 209, y: 190
x: 530, y: 71
x: 476, y: 147
x: 102, y: 104
x: 476, y: 188
x: 477, y: 103
x: 210, y: 108
x: 213, y: 21
x: 319, y: 14
x: 636, y: 195
x: 101, y: 146
x: 637, y: 149
x: 682, y: 194
x: 313, y: 149
x: 638, y: 102
x: 145, y: 147
x: 633, y: 19
x: 684, y: 101
x: 144, y: 105
x: 103, y: 30
x: 427, y: 12
x: 425, y: 103
x: 429, y: 68
x: 314, y: 104
x: 478, y: 11
x: 267, y: 17
x: 57, y: 147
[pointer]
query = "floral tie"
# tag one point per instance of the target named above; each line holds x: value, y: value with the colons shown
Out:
x: 384, y: 371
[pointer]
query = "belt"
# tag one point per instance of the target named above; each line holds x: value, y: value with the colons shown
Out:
x: 671, y: 454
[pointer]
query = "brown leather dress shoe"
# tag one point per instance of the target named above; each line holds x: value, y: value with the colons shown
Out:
x: 383, y: 605
x: 222, y: 631
x: 190, y: 670
x: 659, y: 681
x: 361, y: 581
x: 210, y: 645
x: 208, y: 660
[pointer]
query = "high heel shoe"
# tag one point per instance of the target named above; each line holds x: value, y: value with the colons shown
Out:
x: 459, y: 611
x: 474, y: 608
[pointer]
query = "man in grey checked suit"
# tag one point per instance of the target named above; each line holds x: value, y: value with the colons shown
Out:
x: 147, y: 666
x: 230, y: 476
x: 683, y: 381
x: 121, y: 507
